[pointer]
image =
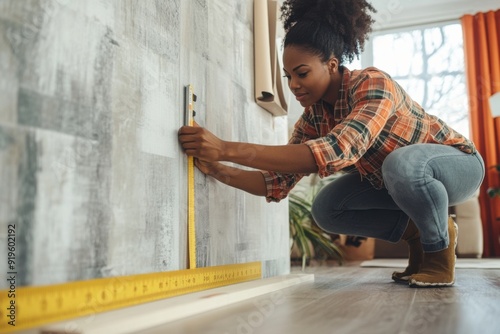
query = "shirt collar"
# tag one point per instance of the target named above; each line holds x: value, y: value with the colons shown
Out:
x: 341, y: 110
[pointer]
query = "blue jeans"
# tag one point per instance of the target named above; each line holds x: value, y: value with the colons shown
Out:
x: 421, y: 182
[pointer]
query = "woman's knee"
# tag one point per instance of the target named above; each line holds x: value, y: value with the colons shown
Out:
x: 324, y: 217
x: 333, y: 194
x: 319, y: 210
x: 324, y: 210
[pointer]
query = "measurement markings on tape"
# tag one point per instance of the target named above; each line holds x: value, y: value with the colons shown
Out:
x: 41, y: 305
x: 189, y: 113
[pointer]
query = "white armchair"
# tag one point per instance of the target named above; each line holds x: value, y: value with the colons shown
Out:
x: 470, y: 228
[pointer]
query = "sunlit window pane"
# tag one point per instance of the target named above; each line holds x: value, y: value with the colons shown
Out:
x: 399, y: 52
x: 445, y: 46
x: 429, y: 64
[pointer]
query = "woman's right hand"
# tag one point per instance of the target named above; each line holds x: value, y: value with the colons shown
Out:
x: 200, y: 143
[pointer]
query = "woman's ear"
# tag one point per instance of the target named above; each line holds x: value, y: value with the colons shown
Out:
x: 333, y: 65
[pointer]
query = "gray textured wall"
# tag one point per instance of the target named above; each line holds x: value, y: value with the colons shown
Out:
x: 91, y: 98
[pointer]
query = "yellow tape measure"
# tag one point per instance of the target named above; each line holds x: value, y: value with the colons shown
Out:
x: 37, y: 306
x: 190, y: 99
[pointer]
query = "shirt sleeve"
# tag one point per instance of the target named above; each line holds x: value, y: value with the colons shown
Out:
x: 279, y: 185
x: 372, y: 101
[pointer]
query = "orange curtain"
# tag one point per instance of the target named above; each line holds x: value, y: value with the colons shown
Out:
x: 482, y: 57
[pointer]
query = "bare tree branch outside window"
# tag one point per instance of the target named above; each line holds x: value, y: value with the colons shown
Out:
x: 429, y: 64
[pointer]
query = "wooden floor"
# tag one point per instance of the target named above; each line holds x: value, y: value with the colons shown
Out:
x: 351, y: 299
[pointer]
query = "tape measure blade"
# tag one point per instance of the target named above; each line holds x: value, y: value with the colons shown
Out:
x: 189, y: 114
x: 187, y: 104
x: 38, y: 306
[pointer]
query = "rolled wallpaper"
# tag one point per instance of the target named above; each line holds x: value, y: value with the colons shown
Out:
x: 268, y: 85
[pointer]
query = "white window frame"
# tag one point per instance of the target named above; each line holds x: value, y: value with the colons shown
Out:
x: 367, y: 55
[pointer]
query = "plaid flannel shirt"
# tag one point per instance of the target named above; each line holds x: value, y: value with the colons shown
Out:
x: 373, y: 116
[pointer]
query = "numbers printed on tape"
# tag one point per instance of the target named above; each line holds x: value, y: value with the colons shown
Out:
x: 41, y: 305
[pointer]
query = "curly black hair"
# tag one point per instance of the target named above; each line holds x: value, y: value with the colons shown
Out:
x: 328, y: 27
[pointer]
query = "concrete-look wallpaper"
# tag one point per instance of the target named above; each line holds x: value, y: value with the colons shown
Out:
x: 91, y: 172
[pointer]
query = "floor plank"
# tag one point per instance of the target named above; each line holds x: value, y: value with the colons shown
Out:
x: 351, y: 299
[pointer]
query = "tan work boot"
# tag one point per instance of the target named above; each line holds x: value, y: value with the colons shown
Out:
x: 438, y: 268
x: 412, y: 237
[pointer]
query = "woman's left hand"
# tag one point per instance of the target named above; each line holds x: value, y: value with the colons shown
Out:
x: 200, y: 143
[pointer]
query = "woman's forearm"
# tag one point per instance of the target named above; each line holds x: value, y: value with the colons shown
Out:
x: 204, y: 145
x: 292, y: 158
x: 250, y: 181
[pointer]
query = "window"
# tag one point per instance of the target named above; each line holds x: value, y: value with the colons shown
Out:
x: 428, y: 62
